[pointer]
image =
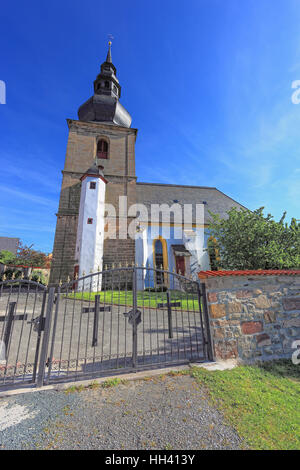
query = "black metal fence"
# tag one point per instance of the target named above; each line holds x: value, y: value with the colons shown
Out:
x: 109, y: 322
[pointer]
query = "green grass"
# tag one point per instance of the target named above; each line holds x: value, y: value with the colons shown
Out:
x: 144, y: 298
x: 112, y: 382
x: 73, y: 389
x: 95, y: 385
x: 261, y: 402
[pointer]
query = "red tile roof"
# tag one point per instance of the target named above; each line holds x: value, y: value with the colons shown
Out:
x: 260, y: 272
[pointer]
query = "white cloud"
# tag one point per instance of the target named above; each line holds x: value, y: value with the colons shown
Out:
x: 28, y: 196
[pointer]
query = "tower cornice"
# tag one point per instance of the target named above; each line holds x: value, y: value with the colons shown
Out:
x: 92, y: 126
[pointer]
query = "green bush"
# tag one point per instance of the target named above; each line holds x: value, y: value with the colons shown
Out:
x: 156, y: 289
x: 38, y: 276
x: 250, y: 240
x: 7, y: 257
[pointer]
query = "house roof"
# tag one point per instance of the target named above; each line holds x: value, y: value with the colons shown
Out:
x: 9, y: 244
x: 180, y: 250
x: 212, y: 198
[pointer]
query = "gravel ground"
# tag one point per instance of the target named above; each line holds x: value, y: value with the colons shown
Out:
x: 169, y: 412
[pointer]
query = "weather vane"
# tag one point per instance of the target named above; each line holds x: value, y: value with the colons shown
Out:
x: 110, y: 37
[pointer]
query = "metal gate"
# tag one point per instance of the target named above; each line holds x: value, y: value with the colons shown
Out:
x: 117, y: 320
x: 22, y: 307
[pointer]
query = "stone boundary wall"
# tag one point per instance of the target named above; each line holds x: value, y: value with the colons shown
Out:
x: 254, y: 317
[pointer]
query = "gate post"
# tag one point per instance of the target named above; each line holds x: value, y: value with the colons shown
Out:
x: 207, y: 325
x: 169, y: 316
x: 53, y: 335
x: 134, y: 324
x: 42, y: 364
x: 38, y: 341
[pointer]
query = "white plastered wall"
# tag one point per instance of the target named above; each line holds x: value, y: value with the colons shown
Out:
x: 90, y: 237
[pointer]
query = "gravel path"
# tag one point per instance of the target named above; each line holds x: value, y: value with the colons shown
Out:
x: 169, y: 412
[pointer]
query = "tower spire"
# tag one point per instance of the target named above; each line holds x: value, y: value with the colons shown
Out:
x: 108, y: 57
x: 104, y: 106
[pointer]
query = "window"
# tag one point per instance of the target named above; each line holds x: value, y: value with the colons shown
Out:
x: 89, y: 221
x: 92, y: 185
x: 159, y: 262
x: 102, y: 149
x: 106, y: 84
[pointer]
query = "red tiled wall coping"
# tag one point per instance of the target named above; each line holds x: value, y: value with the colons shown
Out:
x: 258, y: 272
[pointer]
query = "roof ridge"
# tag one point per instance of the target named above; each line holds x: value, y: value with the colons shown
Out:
x: 177, y: 185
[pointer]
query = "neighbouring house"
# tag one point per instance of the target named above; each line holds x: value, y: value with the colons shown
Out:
x: 9, y: 244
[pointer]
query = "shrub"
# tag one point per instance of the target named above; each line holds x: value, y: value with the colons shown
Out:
x: 250, y: 240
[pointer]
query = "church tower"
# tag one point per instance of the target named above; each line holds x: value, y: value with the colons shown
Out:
x: 101, y: 133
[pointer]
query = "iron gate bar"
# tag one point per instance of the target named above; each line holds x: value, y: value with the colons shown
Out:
x: 10, y: 316
x: 30, y: 332
x: 15, y: 317
x: 50, y: 359
x: 42, y: 365
x: 11, y: 328
x: 206, y: 317
x: 200, y: 295
x: 22, y: 328
x: 92, y: 309
x: 169, y: 305
x: 96, y: 321
x: 134, y: 325
x: 41, y: 327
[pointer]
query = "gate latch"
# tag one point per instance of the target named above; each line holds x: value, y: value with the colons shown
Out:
x: 36, y: 322
x: 134, y: 316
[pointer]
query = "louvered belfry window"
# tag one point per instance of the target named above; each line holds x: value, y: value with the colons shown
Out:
x: 102, y: 149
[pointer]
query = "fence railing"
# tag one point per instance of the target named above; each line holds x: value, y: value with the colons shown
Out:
x: 108, y: 322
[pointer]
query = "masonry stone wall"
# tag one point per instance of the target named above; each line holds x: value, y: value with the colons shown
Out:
x: 254, y: 317
x: 119, y: 170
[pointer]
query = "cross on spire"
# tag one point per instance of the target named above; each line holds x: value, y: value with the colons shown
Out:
x: 108, y: 57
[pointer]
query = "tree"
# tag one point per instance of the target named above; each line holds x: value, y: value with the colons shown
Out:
x: 29, y: 257
x: 7, y: 257
x: 250, y: 240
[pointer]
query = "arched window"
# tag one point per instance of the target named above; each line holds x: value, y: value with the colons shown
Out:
x: 160, y: 261
x: 102, y: 149
x: 159, y: 258
x: 106, y: 84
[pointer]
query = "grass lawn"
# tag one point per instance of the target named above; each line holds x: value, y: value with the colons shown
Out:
x: 144, y: 298
x: 261, y: 402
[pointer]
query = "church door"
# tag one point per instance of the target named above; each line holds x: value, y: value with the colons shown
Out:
x: 180, y: 265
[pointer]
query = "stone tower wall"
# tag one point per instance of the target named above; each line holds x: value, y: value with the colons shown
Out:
x: 119, y: 170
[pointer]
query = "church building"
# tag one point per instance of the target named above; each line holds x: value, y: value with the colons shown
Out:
x: 106, y: 216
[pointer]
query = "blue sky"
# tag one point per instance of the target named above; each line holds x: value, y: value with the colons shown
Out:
x: 207, y: 82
